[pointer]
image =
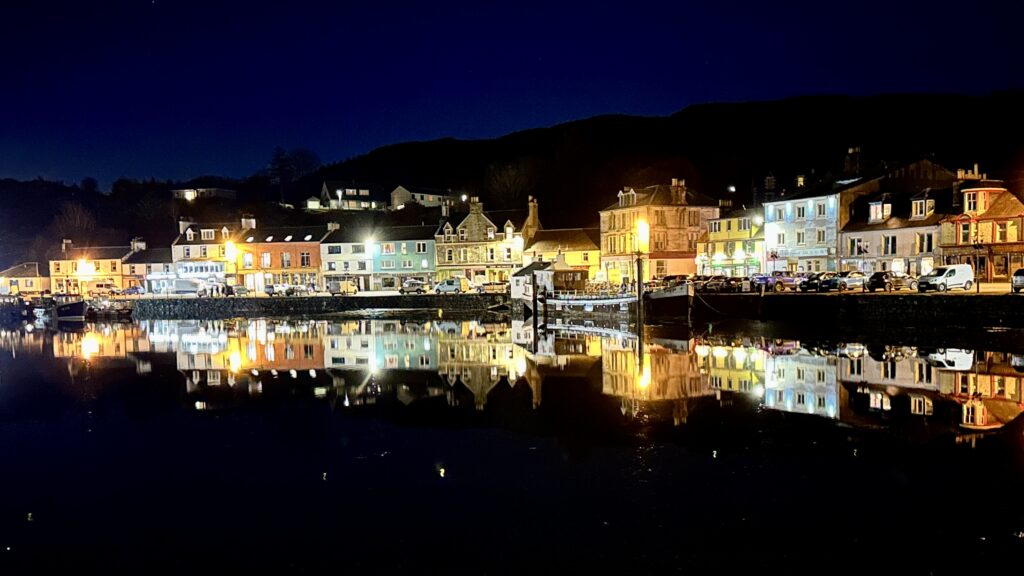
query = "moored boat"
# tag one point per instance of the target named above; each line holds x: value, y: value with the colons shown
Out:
x: 69, y: 308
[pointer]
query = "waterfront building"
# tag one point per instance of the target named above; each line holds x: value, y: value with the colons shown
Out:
x: 347, y: 254
x: 579, y: 248
x: 401, y: 253
x: 733, y: 245
x: 278, y: 255
x: 76, y: 270
x: 25, y: 279
x: 205, y: 251
x: 987, y: 231
x: 150, y: 268
x: 484, y: 246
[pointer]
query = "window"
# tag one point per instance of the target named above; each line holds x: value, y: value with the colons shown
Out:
x: 920, y: 406
x: 334, y: 249
x: 490, y: 254
x: 856, y: 247
x: 880, y: 401
x: 332, y: 266
x: 463, y: 255
x: 889, y: 370
x: 361, y: 265
x: 779, y: 214
x: 744, y: 224
x: 821, y: 375
x: 971, y: 201
x: 716, y: 226
x: 247, y: 260
x: 660, y: 268
x: 462, y: 234
x: 304, y: 260
x: 207, y: 234
x: 406, y: 263
x: 728, y: 225
x: 799, y: 374
x: 387, y: 248
x: 800, y: 238
x: 421, y: 247
x: 222, y: 250
x: 821, y: 236
x: 917, y: 209
x: 265, y: 260
x: 1001, y: 232
x: 889, y: 245
x: 586, y: 256
x: 448, y: 234
x: 190, y: 235
x: 820, y: 206
x: 448, y: 255
x: 359, y: 248
x: 924, y: 242
x: 781, y: 238
x: 56, y: 267
x: 113, y: 266
x: 965, y: 233
x: 404, y: 248
x: 856, y: 366
x: 202, y: 251
x: 387, y: 264
x: 923, y: 373
x: 801, y: 212
x: 508, y: 254
x: 188, y: 251
x: 308, y: 351
x: 880, y: 211
x: 693, y: 217
x: 509, y: 231
x: 801, y: 399
x: 490, y: 233
x: 286, y: 259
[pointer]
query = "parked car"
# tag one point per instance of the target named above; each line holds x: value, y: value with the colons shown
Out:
x: 101, y: 288
x: 890, y: 281
x: 712, y: 284
x: 236, y: 290
x: 456, y: 285
x: 779, y: 280
x: 184, y: 286
x: 947, y: 277
x: 733, y: 285
x: 342, y: 287
x: 286, y: 290
x: 133, y: 291
x: 813, y: 282
x: 848, y: 280
x: 1017, y: 280
x: 413, y: 286
x: 492, y: 288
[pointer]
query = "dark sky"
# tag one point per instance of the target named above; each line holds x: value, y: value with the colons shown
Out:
x: 175, y: 89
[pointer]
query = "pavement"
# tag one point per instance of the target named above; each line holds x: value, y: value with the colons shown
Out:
x: 981, y: 288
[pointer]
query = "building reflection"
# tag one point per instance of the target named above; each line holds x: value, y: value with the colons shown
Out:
x: 478, y: 365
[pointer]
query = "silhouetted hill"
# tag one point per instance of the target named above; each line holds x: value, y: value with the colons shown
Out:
x: 577, y: 167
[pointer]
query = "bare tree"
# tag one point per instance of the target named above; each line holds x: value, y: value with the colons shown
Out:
x: 73, y: 220
x: 509, y: 184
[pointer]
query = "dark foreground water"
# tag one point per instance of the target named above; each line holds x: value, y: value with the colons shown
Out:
x: 428, y: 447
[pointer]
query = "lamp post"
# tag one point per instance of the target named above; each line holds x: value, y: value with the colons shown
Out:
x: 643, y: 238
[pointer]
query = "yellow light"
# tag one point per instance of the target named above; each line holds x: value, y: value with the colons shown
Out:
x: 235, y: 361
x: 645, y: 374
x: 739, y: 254
x: 758, y: 220
x: 719, y: 352
x: 86, y: 268
x: 90, y: 346
x: 702, y: 350
x: 521, y: 366
x: 643, y: 235
x: 740, y: 354
x: 230, y: 251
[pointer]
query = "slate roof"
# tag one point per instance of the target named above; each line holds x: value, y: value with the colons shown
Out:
x: 402, y: 233
x: 425, y: 190
x: 661, y: 195
x: 198, y: 227
x: 96, y: 253
x: 351, y: 235
x: 26, y: 270
x: 282, y: 234
x: 981, y: 184
x: 1006, y: 205
x: 902, y: 208
x: 531, y: 268
x: 150, y: 256
x: 565, y: 239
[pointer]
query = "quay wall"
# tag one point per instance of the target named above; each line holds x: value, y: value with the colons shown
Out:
x: 932, y: 311
x: 224, y: 308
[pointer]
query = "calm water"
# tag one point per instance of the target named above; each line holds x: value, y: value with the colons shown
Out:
x: 469, y: 447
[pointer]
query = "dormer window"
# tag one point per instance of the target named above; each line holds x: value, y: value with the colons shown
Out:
x: 190, y: 235
x: 509, y: 230
x: 971, y: 201
x: 206, y: 234
x: 490, y: 233
x: 917, y: 209
x: 224, y: 233
x: 880, y: 211
x: 462, y: 234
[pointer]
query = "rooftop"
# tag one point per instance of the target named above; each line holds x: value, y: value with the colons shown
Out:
x: 150, y: 256
x: 26, y: 270
x: 97, y: 253
x: 565, y: 239
x: 661, y: 195
x: 282, y: 234
x: 531, y: 268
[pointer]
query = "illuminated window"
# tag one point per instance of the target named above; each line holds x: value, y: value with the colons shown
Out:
x: 971, y: 201
x: 304, y: 260
x: 207, y: 234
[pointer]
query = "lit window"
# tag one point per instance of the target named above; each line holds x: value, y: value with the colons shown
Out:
x: 288, y: 238
x: 270, y: 239
x: 308, y: 237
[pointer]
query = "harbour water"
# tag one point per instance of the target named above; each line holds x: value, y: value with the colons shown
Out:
x: 429, y: 445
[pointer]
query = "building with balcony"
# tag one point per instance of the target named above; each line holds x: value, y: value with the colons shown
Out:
x: 484, y: 246
x: 662, y: 224
x: 734, y: 245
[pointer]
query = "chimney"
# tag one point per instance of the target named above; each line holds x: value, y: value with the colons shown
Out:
x: 678, y: 191
x: 138, y: 244
x: 475, y: 207
x: 445, y: 210
x: 532, y: 216
x: 65, y: 245
x: 248, y: 221
x: 332, y: 226
x: 183, y: 224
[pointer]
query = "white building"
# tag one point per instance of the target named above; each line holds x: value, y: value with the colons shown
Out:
x: 522, y: 280
x: 347, y: 254
x: 428, y: 197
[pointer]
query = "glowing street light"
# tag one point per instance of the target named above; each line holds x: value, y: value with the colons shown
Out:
x: 230, y: 251
x: 643, y: 236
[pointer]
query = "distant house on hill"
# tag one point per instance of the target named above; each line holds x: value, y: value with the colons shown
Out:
x: 191, y: 194
x: 338, y: 195
x: 428, y: 197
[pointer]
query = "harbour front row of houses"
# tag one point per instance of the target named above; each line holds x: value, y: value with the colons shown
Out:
x: 909, y: 218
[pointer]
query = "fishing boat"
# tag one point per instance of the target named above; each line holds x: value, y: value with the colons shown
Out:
x: 674, y: 291
x: 68, y: 308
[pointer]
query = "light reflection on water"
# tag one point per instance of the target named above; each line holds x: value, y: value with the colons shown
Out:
x: 469, y: 364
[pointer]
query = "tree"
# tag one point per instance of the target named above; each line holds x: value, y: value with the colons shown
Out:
x: 287, y: 166
x: 90, y: 185
x: 73, y: 220
x: 509, y: 184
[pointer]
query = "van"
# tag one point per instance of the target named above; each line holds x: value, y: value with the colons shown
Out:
x: 946, y: 278
x: 458, y: 285
x: 101, y: 288
x: 342, y: 287
x: 185, y: 286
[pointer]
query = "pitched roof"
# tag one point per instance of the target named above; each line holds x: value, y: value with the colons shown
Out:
x: 981, y: 184
x: 565, y: 239
x: 282, y: 234
x: 400, y: 233
x: 531, y: 268
x: 900, y: 216
x: 517, y: 216
x: 150, y: 256
x: 350, y: 235
x: 26, y: 270
x: 425, y: 190
x: 197, y: 232
x: 1006, y: 205
x: 661, y: 195
x: 376, y: 191
x: 96, y: 253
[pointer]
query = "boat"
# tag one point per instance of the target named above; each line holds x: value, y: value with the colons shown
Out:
x: 68, y: 308
x: 673, y: 291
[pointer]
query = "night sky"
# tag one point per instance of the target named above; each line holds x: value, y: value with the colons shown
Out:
x: 174, y: 89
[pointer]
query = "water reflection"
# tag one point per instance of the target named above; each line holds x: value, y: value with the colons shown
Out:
x: 478, y: 365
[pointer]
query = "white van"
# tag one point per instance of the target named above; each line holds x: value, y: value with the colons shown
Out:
x: 185, y: 286
x: 457, y: 285
x: 946, y: 278
x: 101, y: 288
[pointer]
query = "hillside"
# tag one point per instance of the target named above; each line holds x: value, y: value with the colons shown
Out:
x: 584, y: 163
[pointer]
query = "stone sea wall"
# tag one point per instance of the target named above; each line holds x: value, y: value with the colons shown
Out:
x: 222, y: 308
